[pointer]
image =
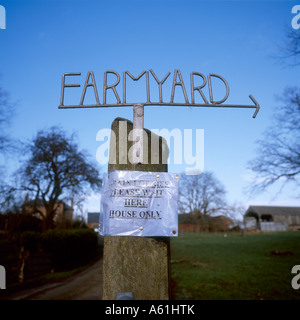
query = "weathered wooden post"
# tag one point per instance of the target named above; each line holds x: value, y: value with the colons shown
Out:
x: 136, y: 264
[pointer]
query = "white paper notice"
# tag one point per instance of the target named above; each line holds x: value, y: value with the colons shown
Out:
x: 138, y: 203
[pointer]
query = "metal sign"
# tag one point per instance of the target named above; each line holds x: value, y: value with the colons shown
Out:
x: 138, y: 203
x: 177, y: 83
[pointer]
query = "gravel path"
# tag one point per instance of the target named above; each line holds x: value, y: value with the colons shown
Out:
x: 86, y: 285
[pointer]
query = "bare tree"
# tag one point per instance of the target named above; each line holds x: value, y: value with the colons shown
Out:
x: 236, y: 213
x: 278, y: 153
x: 290, y: 52
x: 6, y: 111
x: 6, y: 147
x: 201, y: 194
x: 55, y: 170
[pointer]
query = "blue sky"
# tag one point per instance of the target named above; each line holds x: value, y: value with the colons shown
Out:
x: 234, y: 39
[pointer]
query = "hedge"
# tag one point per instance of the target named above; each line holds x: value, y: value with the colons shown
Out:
x: 66, y: 248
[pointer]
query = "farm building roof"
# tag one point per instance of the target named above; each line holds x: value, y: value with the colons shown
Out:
x: 272, y: 210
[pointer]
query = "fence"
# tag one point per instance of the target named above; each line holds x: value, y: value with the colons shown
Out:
x: 273, y: 226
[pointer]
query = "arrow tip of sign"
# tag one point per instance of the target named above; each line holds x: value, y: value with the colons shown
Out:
x: 256, y: 104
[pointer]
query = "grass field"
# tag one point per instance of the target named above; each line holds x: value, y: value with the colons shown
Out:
x: 207, y: 266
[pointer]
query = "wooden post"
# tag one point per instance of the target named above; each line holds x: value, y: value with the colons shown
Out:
x: 136, y: 264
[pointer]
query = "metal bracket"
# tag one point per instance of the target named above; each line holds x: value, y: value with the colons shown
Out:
x: 138, y: 135
x: 124, y: 296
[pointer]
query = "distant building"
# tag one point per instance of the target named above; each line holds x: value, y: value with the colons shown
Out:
x: 37, y: 209
x: 93, y: 220
x: 272, y: 218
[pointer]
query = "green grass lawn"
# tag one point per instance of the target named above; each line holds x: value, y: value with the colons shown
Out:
x: 207, y: 266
